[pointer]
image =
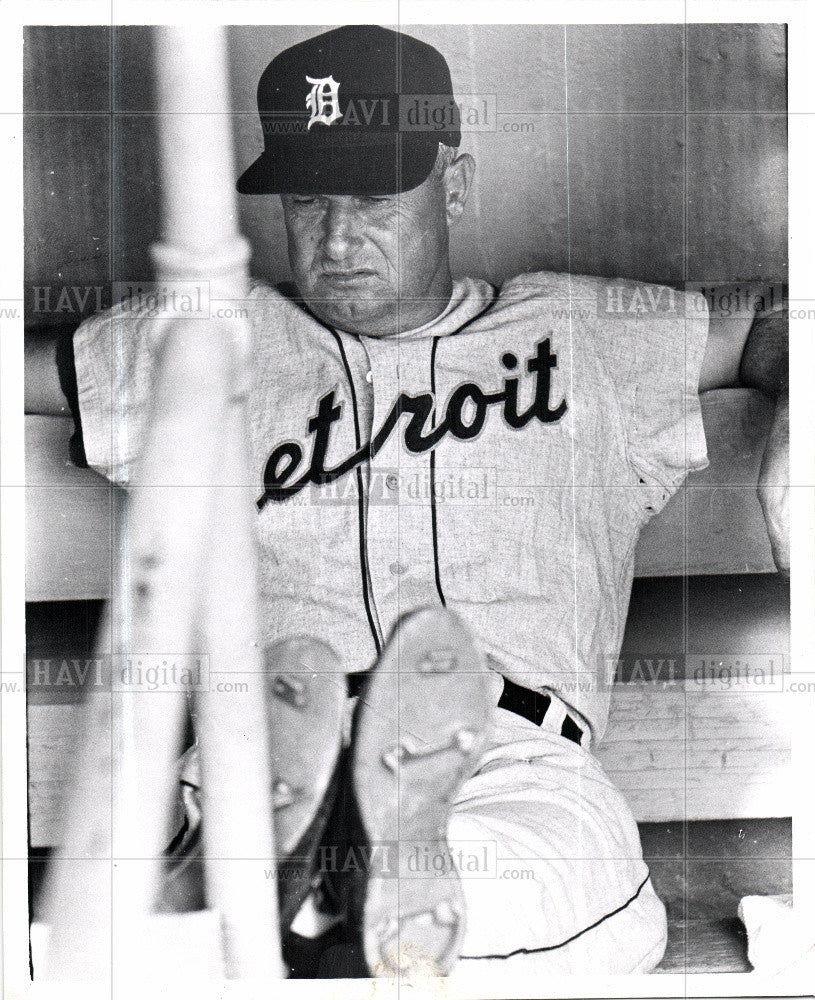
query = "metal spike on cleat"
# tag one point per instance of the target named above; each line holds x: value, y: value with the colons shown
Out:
x: 291, y: 690
x: 438, y: 661
x: 284, y: 794
x: 407, y: 750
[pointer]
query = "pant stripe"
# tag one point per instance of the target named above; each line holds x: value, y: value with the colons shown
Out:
x: 554, y: 947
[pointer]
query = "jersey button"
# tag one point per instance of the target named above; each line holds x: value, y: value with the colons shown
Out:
x: 398, y: 568
x: 369, y: 376
x: 392, y: 482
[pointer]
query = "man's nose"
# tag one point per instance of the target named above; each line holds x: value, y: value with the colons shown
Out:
x: 341, y: 228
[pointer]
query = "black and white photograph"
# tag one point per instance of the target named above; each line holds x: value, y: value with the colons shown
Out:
x: 408, y: 501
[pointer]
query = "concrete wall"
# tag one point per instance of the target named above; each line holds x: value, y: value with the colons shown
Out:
x: 650, y: 151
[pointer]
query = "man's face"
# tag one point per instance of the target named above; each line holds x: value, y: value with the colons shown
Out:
x: 374, y: 265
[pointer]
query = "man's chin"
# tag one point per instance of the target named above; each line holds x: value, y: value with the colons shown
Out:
x: 356, y: 315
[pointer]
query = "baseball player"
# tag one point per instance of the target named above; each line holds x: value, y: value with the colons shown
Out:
x: 450, y: 480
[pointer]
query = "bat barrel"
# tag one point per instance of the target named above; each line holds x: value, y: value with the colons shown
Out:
x: 186, y: 587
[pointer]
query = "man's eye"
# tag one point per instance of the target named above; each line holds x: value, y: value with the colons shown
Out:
x: 303, y: 200
x: 374, y: 198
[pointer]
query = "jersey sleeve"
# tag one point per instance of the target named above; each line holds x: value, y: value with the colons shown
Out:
x: 651, y: 340
x: 114, y: 354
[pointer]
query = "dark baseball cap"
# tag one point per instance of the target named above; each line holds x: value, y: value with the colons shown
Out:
x: 357, y: 110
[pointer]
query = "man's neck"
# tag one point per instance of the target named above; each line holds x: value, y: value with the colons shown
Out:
x: 402, y: 322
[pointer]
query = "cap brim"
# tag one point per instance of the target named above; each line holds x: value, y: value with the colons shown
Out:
x: 392, y: 164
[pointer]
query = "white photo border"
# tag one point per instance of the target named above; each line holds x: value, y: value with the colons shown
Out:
x: 801, y: 119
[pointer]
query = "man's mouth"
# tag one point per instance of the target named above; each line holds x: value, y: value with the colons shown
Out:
x: 347, y: 275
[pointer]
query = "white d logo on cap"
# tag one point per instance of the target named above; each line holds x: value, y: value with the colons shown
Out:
x: 323, y: 101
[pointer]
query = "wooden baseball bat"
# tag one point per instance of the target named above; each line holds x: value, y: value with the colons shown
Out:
x: 187, y: 547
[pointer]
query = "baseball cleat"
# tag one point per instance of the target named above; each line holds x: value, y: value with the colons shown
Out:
x: 306, y: 703
x: 422, y: 724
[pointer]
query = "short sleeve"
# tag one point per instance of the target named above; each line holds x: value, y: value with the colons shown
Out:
x: 651, y: 340
x: 114, y: 354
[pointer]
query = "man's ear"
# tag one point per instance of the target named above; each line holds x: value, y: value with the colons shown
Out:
x: 457, y: 180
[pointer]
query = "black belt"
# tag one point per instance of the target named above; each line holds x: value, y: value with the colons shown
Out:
x: 533, y: 705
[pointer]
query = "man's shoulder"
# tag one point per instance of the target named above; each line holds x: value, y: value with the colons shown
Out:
x: 553, y: 286
x: 553, y: 297
x: 276, y: 313
x: 150, y: 315
x: 260, y: 288
x: 280, y: 297
x: 559, y: 283
x: 596, y: 297
x: 263, y: 292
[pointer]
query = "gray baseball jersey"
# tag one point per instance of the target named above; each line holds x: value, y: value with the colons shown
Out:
x: 501, y: 459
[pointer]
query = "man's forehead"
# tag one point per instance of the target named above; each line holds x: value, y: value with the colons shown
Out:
x: 415, y: 195
x: 320, y: 196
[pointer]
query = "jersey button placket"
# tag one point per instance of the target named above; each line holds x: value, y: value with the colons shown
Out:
x: 403, y: 549
x: 383, y: 493
x: 359, y: 363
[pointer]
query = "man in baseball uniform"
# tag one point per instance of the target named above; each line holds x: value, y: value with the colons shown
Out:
x: 450, y: 480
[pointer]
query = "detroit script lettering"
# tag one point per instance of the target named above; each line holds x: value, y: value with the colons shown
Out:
x: 419, y: 435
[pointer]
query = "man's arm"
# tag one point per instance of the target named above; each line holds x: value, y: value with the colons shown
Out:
x: 50, y: 382
x: 113, y: 353
x: 45, y: 376
x: 753, y: 351
x: 765, y: 366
